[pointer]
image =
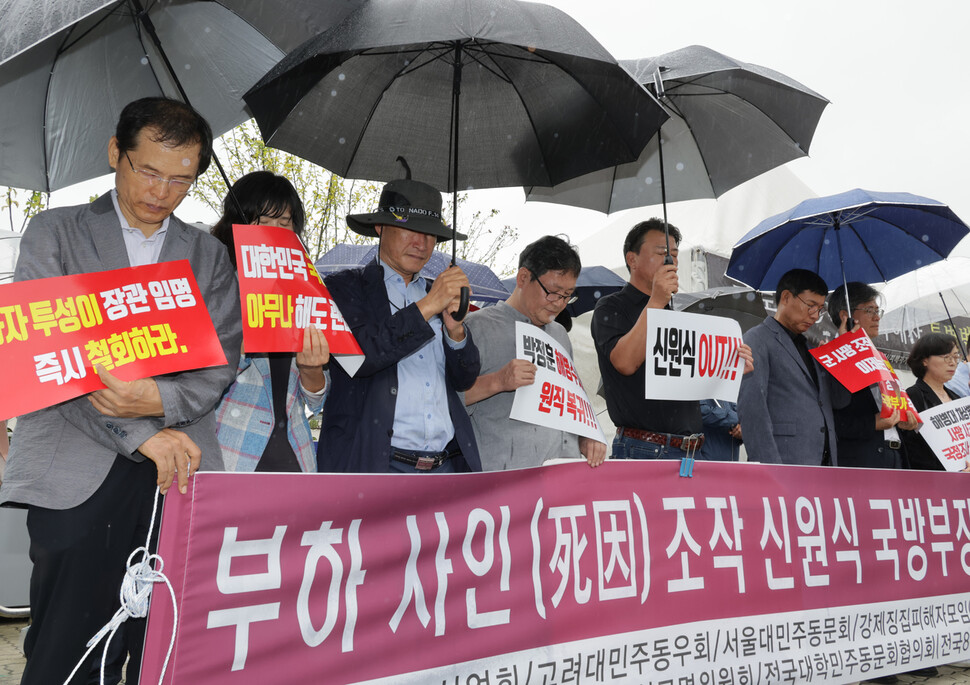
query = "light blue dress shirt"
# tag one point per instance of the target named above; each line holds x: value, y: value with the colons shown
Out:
x: 421, y: 417
x: 141, y: 250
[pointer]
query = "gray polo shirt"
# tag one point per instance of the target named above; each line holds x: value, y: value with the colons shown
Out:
x: 505, y: 443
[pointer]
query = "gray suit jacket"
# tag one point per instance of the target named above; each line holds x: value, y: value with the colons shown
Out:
x: 784, y: 417
x: 60, y: 455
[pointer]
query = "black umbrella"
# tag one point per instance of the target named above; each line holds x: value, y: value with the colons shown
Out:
x: 731, y: 121
x: 474, y: 94
x: 740, y: 303
x: 67, y: 67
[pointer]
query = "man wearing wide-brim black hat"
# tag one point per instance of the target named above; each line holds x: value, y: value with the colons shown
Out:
x: 401, y: 412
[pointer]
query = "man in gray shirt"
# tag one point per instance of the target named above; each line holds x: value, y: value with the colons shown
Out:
x: 544, y: 285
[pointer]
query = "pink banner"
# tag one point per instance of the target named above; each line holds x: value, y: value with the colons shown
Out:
x: 757, y: 569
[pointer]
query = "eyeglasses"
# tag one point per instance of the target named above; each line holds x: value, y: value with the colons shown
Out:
x: 176, y: 185
x: 554, y: 297
x: 813, y: 309
x: 949, y: 358
x: 871, y: 311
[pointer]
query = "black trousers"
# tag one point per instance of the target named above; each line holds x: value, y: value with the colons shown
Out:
x: 79, y: 558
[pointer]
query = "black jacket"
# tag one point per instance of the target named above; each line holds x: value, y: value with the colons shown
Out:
x: 918, y: 453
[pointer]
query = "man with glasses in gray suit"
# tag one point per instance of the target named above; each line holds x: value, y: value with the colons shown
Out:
x: 784, y: 404
x: 87, y: 469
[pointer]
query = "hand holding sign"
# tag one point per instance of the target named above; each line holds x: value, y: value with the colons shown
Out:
x: 311, y: 359
x: 126, y: 399
x: 517, y: 373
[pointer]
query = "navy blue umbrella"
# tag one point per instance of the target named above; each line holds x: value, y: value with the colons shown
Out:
x: 593, y: 283
x: 853, y: 236
x: 486, y: 287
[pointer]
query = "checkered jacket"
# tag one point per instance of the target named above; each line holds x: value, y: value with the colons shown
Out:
x: 245, y: 416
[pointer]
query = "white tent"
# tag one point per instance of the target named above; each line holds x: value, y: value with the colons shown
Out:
x: 9, y: 249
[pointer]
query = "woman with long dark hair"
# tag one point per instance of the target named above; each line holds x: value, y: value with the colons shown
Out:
x: 262, y: 422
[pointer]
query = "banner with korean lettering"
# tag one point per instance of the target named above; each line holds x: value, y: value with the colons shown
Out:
x: 629, y: 575
x: 135, y: 322
x: 856, y: 363
x: 946, y: 429
x: 852, y: 359
x: 557, y: 398
x: 282, y: 294
x: 692, y: 357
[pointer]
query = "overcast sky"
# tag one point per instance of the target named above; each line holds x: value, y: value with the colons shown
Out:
x: 894, y: 71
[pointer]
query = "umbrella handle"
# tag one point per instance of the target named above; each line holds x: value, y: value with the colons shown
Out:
x: 462, y: 311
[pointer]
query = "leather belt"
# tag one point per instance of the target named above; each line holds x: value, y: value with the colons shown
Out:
x: 683, y: 442
x: 423, y: 461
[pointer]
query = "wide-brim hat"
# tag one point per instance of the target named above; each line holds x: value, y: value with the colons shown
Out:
x: 409, y: 204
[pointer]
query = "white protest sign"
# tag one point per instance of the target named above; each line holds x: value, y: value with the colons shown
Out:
x: 946, y: 429
x: 692, y: 357
x: 556, y: 399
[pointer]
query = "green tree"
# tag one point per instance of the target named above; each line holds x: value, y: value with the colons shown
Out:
x: 327, y: 198
x: 20, y: 205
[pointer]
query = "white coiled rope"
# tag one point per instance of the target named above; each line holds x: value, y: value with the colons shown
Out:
x: 136, y: 591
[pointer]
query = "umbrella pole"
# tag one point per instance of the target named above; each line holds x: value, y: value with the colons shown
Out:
x: 849, y: 323
x: 663, y: 198
x: 963, y: 349
x: 455, y: 101
x: 658, y: 85
x: 146, y: 21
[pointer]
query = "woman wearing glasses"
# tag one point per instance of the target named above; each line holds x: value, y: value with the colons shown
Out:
x: 262, y: 424
x: 933, y: 360
x: 865, y: 439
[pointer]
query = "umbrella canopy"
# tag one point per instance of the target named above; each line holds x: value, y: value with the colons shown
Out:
x: 731, y: 121
x: 530, y: 96
x: 742, y: 304
x: 593, y: 283
x: 857, y: 235
x: 68, y: 68
x: 485, y: 285
x: 927, y: 295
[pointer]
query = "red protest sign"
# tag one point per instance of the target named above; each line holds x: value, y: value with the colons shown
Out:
x: 857, y: 364
x: 282, y: 294
x: 852, y: 359
x: 135, y: 322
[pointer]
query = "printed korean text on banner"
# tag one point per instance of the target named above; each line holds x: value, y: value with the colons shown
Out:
x: 282, y: 294
x: 852, y: 359
x: 946, y: 429
x: 135, y: 322
x: 692, y: 357
x: 751, y: 573
x: 556, y: 399
x: 856, y: 364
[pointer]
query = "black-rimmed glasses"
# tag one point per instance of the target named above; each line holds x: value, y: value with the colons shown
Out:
x: 552, y: 297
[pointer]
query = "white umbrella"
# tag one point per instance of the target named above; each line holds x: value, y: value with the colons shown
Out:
x: 934, y: 293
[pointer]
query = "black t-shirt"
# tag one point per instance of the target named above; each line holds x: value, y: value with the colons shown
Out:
x: 613, y: 318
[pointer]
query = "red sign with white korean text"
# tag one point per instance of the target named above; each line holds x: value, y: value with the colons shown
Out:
x: 135, y: 322
x: 857, y: 364
x: 852, y: 359
x: 281, y: 295
x: 752, y: 572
